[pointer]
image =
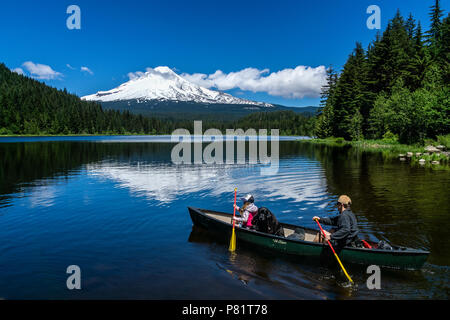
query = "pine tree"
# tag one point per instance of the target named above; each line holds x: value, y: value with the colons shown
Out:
x: 419, y: 61
x: 328, y: 88
x: 323, y: 127
x: 434, y: 34
x: 410, y: 26
x: 444, y: 52
x: 376, y: 77
x: 350, y: 95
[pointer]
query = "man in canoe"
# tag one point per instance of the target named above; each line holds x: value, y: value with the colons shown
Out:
x: 345, y: 231
x: 248, y: 211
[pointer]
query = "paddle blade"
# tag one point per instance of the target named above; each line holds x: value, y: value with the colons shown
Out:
x: 232, y: 241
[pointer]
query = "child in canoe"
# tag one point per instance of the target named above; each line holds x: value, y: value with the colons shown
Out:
x: 248, y: 211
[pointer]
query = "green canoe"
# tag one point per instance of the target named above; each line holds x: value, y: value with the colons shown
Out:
x: 220, y: 224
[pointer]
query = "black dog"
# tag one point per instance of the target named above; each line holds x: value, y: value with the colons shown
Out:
x: 265, y: 221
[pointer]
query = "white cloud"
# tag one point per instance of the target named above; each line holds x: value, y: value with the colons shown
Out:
x: 19, y: 71
x: 135, y: 75
x: 86, y: 69
x: 41, y: 71
x: 287, y: 83
x: 70, y: 67
x: 164, y: 72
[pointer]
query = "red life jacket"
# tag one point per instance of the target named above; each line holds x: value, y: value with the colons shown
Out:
x: 248, y: 223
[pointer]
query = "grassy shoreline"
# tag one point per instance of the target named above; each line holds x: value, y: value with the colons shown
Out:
x: 391, y: 149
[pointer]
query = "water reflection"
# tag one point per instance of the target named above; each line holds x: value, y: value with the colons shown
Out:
x: 124, y: 202
x: 301, y: 183
x: 43, y: 196
x: 393, y: 201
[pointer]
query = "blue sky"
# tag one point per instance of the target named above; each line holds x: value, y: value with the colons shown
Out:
x: 193, y: 37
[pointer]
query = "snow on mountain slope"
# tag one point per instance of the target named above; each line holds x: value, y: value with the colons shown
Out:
x: 162, y: 83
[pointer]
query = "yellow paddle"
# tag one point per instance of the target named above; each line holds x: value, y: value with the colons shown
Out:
x: 340, y: 263
x: 233, y: 234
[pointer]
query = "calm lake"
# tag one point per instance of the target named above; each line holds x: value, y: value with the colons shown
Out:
x: 117, y: 208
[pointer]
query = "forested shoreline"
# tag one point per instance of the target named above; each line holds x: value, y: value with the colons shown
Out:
x: 397, y: 89
x: 30, y: 107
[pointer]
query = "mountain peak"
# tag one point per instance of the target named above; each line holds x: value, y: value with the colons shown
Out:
x: 164, y: 69
x: 163, y: 84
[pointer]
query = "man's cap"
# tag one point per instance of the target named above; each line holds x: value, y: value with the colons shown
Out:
x: 345, y: 200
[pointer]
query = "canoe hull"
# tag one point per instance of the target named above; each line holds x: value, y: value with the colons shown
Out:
x: 399, y: 259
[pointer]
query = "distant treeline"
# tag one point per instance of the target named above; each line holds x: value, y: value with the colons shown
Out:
x: 288, y: 122
x: 29, y: 107
x: 398, y: 88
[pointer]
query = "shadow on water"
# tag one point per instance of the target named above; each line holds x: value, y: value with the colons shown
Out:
x: 259, y: 269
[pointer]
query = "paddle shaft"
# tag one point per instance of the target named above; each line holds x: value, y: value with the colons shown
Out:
x: 337, y: 258
x: 232, y: 247
x: 234, y: 207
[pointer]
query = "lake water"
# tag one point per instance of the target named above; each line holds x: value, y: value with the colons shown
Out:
x: 117, y: 208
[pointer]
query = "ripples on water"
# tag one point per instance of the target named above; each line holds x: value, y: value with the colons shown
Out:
x: 119, y: 212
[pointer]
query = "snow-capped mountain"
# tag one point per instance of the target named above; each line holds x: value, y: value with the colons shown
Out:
x: 163, y: 84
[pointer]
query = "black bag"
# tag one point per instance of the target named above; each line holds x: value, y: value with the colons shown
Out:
x: 265, y: 221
